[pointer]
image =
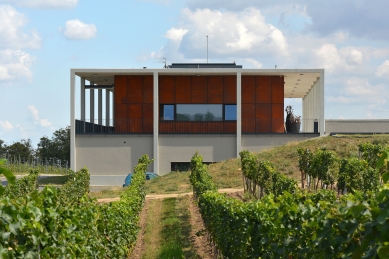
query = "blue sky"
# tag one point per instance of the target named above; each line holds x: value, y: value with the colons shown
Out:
x: 40, y: 40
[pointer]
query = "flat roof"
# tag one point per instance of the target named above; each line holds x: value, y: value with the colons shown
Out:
x: 204, y: 65
x: 298, y: 82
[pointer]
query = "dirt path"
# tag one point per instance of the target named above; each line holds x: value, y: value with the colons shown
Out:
x: 170, y: 195
x: 138, y: 250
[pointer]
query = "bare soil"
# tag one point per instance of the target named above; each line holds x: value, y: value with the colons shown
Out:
x: 198, y: 234
x: 138, y: 250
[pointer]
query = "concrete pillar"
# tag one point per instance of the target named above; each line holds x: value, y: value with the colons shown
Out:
x: 155, y: 123
x: 72, y: 120
x: 82, y: 99
x: 92, y: 105
x: 100, y: 106
x: 238, y: 113
x: 321, y: 119
x: 107, y: 107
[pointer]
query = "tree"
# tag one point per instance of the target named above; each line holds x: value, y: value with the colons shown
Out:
x: 3, y: 148
x: 22, y: 149
x: 58, y: 147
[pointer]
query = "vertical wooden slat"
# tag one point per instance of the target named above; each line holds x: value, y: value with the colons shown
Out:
x: 199, y: 89
x: 148, y: 89
x: 134, y: 89
x: 167, y: 90
x: 248, y: 89
x: 229, y: 89
x: 263, y: 89
x: 120, y: 89
x: 215, y: 89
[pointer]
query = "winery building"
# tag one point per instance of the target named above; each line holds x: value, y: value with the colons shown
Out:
x: 218, y: 109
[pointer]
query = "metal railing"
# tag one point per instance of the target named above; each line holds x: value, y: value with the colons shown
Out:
x: 145, y: 126
x: 197, y: 127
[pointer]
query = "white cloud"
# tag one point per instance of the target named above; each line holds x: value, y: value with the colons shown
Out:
x: 240, y: 34
x: 383, y: 69
x: 175, y: 34
x: 77, y: 30
x: 15, y: 65
x: 37, y: 120
x: 11, y: 33
x: 6, y: 125
x: 60, y: 4
x: 254, y: 62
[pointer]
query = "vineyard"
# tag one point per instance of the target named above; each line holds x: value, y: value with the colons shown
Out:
x: 65, y: 223
x: 313, y: 221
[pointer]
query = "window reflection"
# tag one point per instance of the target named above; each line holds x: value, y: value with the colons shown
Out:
x: 199, y: 112
x: 230, y: 112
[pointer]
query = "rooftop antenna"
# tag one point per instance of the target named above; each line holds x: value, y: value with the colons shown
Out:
x: 207, y: 48
x: 164, y: 58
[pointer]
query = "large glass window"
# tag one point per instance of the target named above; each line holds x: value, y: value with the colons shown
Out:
x: 230, y: 112
x: 168, y: 112
x: 199, y: 112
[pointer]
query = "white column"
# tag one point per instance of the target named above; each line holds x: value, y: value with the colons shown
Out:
x: 72, y: 120
x: 82, y: 101
x: 100, y: 106
x: 321, y: 119
x: 155, y: 122
x: 107, y: 107
x: 92, y: 104
x: 238, y: 113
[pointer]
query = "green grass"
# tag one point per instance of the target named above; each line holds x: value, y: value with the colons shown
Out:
x: 228, y: 174
x: 53, y: 180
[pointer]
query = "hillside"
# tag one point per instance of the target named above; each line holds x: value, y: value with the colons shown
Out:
x: 227, y: 174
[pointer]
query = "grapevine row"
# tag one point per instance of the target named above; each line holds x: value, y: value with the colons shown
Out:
x: 295, y: 225
x: 65, y: 223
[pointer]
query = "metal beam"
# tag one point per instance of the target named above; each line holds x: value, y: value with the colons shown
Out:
x: 99, y: 86
x: 107, y: 108
x: 82, y: 99
x: 100, y: 106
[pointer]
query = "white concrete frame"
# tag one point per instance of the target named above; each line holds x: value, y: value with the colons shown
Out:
x: 313, y: 102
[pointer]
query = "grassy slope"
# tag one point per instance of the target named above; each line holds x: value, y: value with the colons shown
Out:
x: 227, y: 174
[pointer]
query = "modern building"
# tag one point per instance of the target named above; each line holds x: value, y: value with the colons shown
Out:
x: 217, y: 109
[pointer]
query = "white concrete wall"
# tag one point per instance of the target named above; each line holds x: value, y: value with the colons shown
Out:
x: 109, y: 155
x: 357, y: 126
x: 311, y: 108
x: 265, y: 141
x: 180, y: 148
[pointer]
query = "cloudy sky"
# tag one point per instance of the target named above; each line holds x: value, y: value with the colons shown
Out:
x: 40, y: 40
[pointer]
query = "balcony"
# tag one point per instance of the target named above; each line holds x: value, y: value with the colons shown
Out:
x: 145, y: 126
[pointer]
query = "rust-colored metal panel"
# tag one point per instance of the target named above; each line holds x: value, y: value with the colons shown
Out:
x: 134, y: 111
x: 120, y: 89
x: 135, y: 118
x: 166, y: 89
x: 230, y: 127
x: 263, y: 89
x: 183, y: 90
x: 120, y: 111
x: 147, y: 89
x: 278, y: 125
x: 147, y: 126
x: 214, y: 127
x: 199, y: 89
x: 263, y: 126
x: 166, y: 127
x: 248, y: 89
x: 215, y: 89
x: 148, y: 111
x: 248, y: 125
x: 248, y: 111
x: 263, y: 111
x: 229, y: 89
x: 134, y: 89
x: 120, y: 117
x: 277, y: 111
x: 277, y: 91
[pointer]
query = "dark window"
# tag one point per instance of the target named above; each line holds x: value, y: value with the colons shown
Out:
x: 199, y: 112
x: 167, y: 112
x: 230, y: 112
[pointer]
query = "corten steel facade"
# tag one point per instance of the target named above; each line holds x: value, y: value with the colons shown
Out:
x: 143, y: 115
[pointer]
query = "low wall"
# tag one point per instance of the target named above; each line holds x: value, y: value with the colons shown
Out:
x: 357, y: 126
x: 180, y: 148
x: 111, y: 154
